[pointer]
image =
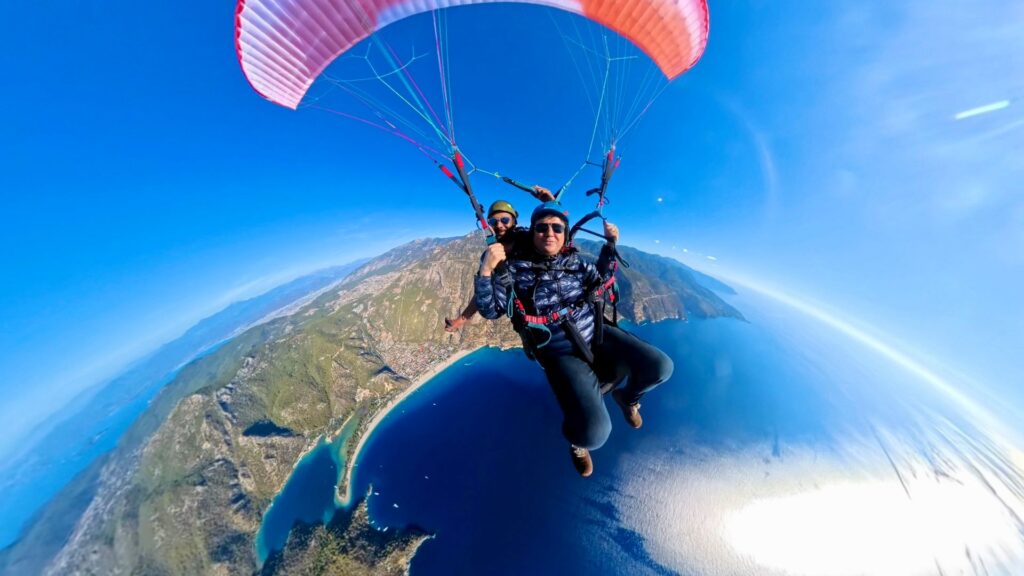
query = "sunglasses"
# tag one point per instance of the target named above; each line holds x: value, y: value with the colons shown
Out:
x: 504, y: 220
x: 543, y: 228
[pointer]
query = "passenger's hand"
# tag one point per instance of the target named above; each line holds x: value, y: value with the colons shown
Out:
x: 494, y: 255
x: 611, y: 232
x: 455, y: 325
x: 543, y: 194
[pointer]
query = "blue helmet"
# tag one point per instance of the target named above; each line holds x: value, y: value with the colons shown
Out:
x: 549, y: 209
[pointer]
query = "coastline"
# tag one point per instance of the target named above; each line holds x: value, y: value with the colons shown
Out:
x: 346, y: 498
x: 326, y: 437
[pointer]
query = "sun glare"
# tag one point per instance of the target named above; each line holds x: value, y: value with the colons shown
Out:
x: 872, y: 528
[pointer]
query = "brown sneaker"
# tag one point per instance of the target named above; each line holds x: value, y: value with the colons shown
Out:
x: 581, y: 460
x: 630, y: 411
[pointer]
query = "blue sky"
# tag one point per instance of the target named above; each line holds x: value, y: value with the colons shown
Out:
x: 145, y: 185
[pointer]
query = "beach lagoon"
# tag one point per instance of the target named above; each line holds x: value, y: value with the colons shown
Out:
x: 309, y: 495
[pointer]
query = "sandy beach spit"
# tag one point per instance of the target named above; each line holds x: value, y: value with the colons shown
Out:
x: 427, y: 376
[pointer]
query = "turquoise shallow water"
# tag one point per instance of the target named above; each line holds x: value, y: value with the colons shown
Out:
x: 308, y: 496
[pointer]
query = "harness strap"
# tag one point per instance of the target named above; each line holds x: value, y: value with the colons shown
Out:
x: 609, y: 287
x: 551, y: 318
x: 516, y: 310
x: 576, y: 338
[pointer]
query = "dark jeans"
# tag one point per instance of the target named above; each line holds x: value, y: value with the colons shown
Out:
x: 578, y: 387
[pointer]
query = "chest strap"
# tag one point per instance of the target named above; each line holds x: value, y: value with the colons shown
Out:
x: 552, y: 318
x: 516, y: 310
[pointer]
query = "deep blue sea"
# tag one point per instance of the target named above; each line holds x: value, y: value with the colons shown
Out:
x: 476, y: 456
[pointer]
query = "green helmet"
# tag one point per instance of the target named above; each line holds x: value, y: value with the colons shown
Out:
x: 502, y: 206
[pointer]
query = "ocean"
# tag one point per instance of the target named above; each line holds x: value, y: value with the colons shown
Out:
x: 476, y: 456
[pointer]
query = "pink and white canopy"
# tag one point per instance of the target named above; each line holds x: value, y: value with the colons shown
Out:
x: 283, y: 45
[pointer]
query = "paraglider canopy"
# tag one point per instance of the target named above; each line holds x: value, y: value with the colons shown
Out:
x: 283, y: 45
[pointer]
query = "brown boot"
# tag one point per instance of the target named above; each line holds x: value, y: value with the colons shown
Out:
x: 581, y: 460
x: 630, y: 411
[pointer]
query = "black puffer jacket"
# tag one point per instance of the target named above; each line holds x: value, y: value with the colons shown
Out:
x: 546, y: 285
